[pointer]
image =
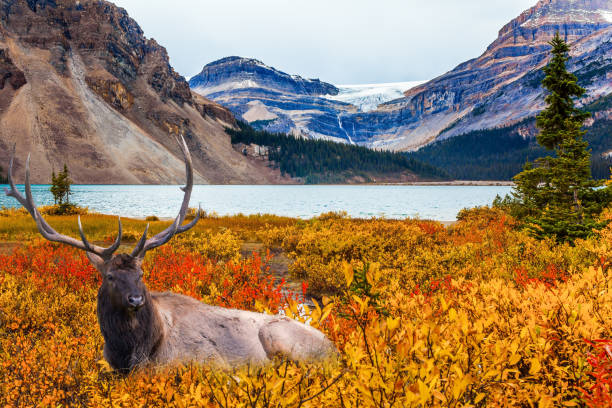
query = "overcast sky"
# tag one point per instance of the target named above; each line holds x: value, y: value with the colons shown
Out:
x: 338, y: 41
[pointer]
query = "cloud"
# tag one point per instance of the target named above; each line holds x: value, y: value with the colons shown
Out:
x: 339, y: 41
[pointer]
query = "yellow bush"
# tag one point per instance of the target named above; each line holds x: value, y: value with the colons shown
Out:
x: 45, y: 210
x: 220, y: 246
x: 483, y: 243
x: 475, y: 343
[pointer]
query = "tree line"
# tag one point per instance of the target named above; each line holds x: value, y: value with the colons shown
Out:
x: 319, y: 161
x: 499, y: 154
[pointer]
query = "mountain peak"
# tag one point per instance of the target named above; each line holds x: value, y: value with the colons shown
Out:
x: 573, y: 19
x: 234, y: 59
x: 570, y: 11
x: 235, y: 73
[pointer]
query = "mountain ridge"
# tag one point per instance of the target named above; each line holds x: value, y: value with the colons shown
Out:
x: 253, y: 74
x: 284, y: 103
x: 502, y: 85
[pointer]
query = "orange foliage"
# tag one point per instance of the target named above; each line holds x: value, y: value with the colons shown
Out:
x: 479, y: 314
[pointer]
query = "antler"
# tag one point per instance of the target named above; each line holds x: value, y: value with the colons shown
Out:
x: 44, y: 228
x: 160, y: 239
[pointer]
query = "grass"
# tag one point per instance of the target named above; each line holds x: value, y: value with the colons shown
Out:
x: 17, y: 226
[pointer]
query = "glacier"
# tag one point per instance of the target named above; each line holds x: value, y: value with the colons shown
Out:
x: 367, y: 97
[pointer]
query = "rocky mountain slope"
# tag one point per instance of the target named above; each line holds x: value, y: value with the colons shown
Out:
x: 273, y: 100
x: 502, y: 86
x: 80, y: 84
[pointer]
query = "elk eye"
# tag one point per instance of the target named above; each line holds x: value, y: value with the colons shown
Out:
x: 109, y: 277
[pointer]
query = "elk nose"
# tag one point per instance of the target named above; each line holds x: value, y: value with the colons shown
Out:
x: 135, y: 301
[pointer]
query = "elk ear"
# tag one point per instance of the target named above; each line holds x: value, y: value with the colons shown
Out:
x: 97, y: 262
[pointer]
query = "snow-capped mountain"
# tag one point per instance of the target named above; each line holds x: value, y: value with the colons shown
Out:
x: 235, y: 73
x: 274, y: 100
x: 280, y: 102
x: 367, y: 97
x: 499, y: 88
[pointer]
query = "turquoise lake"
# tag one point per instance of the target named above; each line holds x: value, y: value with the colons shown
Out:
x: 440, y: 203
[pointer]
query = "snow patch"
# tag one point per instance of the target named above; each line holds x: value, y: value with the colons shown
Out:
x: 607, y: 15
x: 367, y: 97
x: 226, y: 86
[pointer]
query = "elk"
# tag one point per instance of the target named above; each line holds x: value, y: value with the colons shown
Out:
x: 143, y: 328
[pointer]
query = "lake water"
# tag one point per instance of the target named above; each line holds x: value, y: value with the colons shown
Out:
x: 440, y: 203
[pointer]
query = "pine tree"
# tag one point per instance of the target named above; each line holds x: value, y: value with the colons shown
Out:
x: 60, y: 187
x: 557, y: 195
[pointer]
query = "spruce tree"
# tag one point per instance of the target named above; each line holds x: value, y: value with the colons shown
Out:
x: 60, y: 188
x: 557, y: 195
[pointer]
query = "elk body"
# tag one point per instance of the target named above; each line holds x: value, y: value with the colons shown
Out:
x: 149, y: 328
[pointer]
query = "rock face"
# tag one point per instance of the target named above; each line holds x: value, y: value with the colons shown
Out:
x: 233, y: 73
x: 9, y: 73
x: 499, y: 88
x: 502, y: 86
x: 274, y: 100
x: 81, y: 85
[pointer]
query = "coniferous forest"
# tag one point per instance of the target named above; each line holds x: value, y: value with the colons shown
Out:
x: 320, y: 161
x: 499, y: 154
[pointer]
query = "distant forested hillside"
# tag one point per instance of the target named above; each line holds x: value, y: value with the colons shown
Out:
x: 320, y: 161
x: 499, y: 154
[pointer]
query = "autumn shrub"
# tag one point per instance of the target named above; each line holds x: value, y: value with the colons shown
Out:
x: 192, y: 213
x: 599, y: 395
x: 49, y: 265
x: 483, y: 342
x: 127, y: 235
x: 66, y: 209
x: 490, y: 318
x: 222, y: 245
x: 484, y: 243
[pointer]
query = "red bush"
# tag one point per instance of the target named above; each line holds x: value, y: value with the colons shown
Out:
x: 600, y: 394
x: 550, y: 277
x: 50, y: 265
x: 240, y: 285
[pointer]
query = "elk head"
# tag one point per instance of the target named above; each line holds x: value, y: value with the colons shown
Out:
x: 122, y: 283
x: 121, y: 273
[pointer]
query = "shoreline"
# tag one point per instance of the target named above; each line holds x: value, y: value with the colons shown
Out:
x: 467, y: 183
